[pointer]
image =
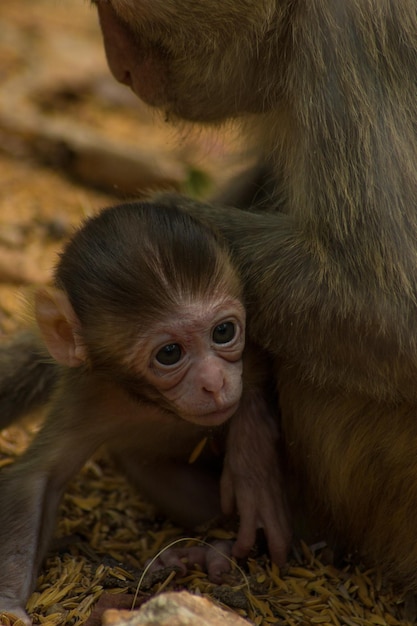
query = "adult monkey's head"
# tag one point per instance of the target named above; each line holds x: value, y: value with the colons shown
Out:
x: 198, y: 60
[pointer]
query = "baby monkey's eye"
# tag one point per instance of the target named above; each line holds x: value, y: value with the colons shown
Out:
x: 169, y: 354
x: 224, y: 332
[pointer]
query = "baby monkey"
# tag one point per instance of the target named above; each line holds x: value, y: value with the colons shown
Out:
x: 147, y: 323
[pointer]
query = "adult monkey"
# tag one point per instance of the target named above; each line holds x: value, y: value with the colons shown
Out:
x: 329, y: 92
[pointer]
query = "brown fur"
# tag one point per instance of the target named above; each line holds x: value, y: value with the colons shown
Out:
x: 329, y: 91
x: 134, y: 282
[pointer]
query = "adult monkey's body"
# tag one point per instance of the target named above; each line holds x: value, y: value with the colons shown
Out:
x: 330, y: 271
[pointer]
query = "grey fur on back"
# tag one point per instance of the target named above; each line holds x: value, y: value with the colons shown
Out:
x: 27, y: 376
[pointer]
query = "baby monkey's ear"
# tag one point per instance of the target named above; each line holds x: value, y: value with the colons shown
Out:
x: 60, y: 327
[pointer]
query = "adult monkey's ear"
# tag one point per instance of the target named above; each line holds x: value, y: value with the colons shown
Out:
x: 60, y: 327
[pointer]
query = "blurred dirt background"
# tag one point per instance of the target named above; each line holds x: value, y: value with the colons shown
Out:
x: 71, y: 142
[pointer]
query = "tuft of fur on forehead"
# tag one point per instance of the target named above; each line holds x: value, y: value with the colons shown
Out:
x: 137, y: 262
